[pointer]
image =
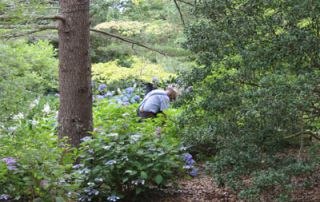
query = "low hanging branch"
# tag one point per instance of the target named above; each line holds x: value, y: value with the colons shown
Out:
x: 180, y: 13
x: 32, y: 30
x: 315, y: 135
x: 127, y: 40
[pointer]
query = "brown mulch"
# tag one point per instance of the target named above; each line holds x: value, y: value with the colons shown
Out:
x: 203, y: 189
x: 197, y: 189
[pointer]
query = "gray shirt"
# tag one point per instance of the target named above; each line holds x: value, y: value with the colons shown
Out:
x: 155, y: 101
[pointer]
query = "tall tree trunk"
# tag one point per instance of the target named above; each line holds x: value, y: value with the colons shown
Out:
x: 75, y: 113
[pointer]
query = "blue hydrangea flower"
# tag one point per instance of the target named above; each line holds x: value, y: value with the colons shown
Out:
x: 187, y: 157
x: 187, y: 167
x: 190, y: 162
x: 125, y: 99
x: 77, y: 166
x: 111, y: 162
x: 194, y: 172
x: 109, y: 94
x: 4, y: 197
x: 86, y: 138
x: 137, y: 98
x: 100, y: 97
x: 102, y: 87
x: 129, y: 90
x: 113, y: 198
x: 118, y: 99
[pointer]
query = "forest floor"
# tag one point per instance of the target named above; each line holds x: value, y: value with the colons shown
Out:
x: 203, y: 189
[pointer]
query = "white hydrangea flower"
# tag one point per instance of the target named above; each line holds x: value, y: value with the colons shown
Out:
x: 46, y: 108
x: 34, y: 103
x: 34, y: 122
x: 18, y: 116
x: 12, y: 129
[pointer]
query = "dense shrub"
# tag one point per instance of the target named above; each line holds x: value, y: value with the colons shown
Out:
x: 256, y: 92
x: 125, y: 158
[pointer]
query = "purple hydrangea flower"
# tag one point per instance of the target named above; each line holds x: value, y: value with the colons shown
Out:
x: 129, y: 90
x: 126, y: 103
x: 102, y: 87
x: 137, y: 98
x: 9, y: 161
x: 187, y: 157
x: 12, y: 168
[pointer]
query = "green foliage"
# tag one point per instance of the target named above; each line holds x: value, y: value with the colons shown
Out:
x: 257, y: 89
x: 126, y: 157
x: 28, y: 71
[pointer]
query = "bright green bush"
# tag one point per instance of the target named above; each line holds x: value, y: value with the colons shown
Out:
x: 136, y: 69
x: 27, y: 71
x: 125, y: 157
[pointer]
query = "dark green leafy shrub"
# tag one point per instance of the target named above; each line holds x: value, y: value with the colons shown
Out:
x: 256, y: 92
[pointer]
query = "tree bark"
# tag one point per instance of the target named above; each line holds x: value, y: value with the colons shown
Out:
x: 75, y: 112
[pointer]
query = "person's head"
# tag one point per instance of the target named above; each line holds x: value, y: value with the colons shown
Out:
x: 172, y: 93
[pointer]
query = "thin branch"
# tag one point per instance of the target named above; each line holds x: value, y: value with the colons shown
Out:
x: 27, y: 27
x: 38, y: 29
x: 249, y: 83
x: 181, y: 16
x: 127, y: 40
x: 57, y: 17
x: 307, y: 132
x: 42, y: 28
x: 185, y: 2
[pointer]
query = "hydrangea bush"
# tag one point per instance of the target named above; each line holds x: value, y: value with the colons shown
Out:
x: 34, y: 164
x: 124, y: 157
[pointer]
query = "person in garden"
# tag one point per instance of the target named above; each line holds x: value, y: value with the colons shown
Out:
x: 155, y: 102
